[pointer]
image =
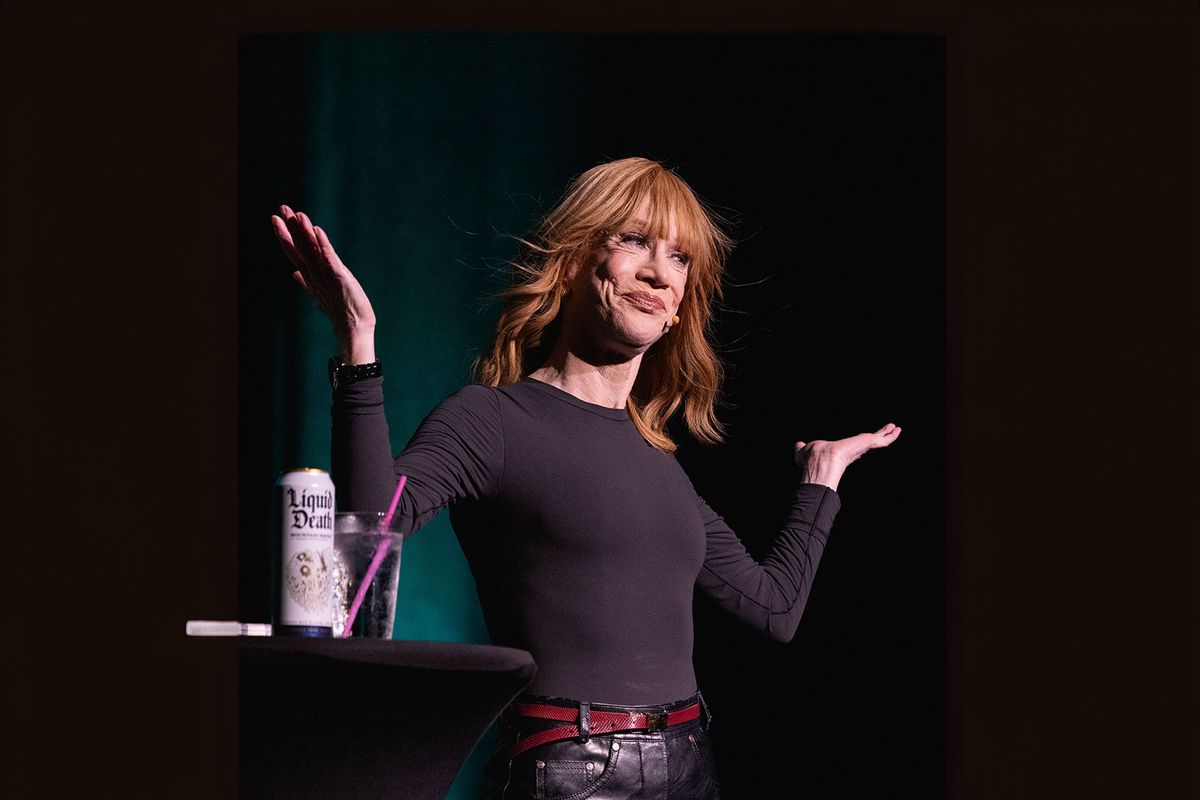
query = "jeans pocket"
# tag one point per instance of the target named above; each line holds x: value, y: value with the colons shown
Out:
x: 573, y: 770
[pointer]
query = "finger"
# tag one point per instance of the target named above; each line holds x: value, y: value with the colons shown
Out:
x: 289, y: 249
x: 285, y: 240
x: 281, y: 230
x: 327, y: 250
x: 294, y: 253
x: 307, y: 226
x: 294, y: 231
x: 289, y: 220
x: 316, y: 272
x: 297, y: 233
x: 888, y: 438
x: 303, y: 236
x: 798, y: 454
x: 325, y: 261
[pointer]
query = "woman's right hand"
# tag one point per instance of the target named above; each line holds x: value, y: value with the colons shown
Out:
x: 323, y: 275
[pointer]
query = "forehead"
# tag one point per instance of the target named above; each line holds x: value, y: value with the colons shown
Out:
x: 664, y: 222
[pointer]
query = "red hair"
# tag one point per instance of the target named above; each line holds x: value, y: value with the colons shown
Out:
x: 681, y: 367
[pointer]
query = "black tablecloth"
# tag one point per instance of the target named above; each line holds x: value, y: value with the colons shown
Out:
x: 363, y: 718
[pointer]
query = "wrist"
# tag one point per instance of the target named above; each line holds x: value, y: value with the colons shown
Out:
x: 822, y: 480
x: 358, y: 348
x: 342, y: 374
x: 825, y: 471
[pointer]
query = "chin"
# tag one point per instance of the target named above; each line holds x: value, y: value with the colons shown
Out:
x: 629, y: 336
x: 640, y: 337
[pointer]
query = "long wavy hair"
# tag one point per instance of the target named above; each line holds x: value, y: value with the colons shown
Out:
x: 681, y: 367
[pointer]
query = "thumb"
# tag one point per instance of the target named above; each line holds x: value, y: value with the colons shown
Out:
x: 799, y: 445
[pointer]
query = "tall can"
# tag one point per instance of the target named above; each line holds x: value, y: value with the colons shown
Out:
x: 303, y: 572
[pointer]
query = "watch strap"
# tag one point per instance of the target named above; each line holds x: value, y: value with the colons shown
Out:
x: 341, y: 374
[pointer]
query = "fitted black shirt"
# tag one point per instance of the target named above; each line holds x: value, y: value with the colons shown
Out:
x: 586, y: 542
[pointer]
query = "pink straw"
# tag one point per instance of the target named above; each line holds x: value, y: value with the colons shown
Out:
x: 380, y: 552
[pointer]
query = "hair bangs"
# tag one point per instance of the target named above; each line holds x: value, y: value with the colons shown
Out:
x: 681, y: 369
x: 658, y: 199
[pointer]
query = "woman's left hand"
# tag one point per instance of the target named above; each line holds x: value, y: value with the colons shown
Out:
x: 824, y: 462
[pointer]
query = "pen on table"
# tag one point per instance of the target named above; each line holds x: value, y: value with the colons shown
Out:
x: 210, y: 627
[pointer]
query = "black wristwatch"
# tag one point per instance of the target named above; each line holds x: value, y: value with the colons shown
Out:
x: 342, y: 374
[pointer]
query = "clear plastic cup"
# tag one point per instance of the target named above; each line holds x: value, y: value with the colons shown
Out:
x: 358, y: 538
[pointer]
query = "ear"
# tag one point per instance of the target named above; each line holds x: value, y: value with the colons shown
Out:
x: 569, y: 279
x: 571, y: 274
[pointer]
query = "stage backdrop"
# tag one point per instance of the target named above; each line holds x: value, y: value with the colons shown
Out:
x: 420, y: 153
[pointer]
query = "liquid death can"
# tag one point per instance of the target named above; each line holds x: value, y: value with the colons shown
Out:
x: 303, y: 572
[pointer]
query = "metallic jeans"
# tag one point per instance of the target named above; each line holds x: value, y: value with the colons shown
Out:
x: 675, y: 763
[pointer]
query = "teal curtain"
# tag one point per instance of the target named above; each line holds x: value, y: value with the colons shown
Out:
x: 411, y: 164
x: 420, y: 154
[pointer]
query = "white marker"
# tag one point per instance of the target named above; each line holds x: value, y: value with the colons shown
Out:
x: 211, y: 627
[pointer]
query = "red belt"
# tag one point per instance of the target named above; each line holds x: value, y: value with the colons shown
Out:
x: 599, y: 722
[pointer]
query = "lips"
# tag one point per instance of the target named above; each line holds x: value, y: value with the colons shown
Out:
x: 646, y: 301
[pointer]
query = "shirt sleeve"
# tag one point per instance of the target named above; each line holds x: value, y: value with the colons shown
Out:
x: 771, y: 595
x: 456, y: 453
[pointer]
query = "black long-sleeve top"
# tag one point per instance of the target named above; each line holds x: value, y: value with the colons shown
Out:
x: 585, y: 541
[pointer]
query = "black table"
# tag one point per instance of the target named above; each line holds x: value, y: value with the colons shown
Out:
x: 366, y: 718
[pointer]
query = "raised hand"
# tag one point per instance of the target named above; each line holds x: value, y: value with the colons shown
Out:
x: 824, y: 462
x: 328, y: 281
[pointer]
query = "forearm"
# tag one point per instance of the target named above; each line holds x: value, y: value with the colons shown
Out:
x: 456, y: 453
x: 361, y: 450
x: 771, y: 596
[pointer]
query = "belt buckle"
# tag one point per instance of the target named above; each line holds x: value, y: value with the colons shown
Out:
x: 655, y: 721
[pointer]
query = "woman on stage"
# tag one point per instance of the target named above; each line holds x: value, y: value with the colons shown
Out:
x: 585, y: 536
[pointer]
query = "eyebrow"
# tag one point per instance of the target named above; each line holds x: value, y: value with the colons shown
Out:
x: 641, y: 223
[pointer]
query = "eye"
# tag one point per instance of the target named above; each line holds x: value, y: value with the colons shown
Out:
x: 683, y: 258
x: 636, y: 238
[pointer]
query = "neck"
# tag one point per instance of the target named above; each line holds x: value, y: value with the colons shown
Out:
x: 607, y: 383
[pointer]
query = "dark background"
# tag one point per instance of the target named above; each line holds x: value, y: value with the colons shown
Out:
x: 1070, y: 335
x: 418, y: 152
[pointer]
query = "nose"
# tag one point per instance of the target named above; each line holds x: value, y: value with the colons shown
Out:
x: 655, y: 268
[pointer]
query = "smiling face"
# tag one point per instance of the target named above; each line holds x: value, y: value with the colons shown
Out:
x: 633, y: 283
